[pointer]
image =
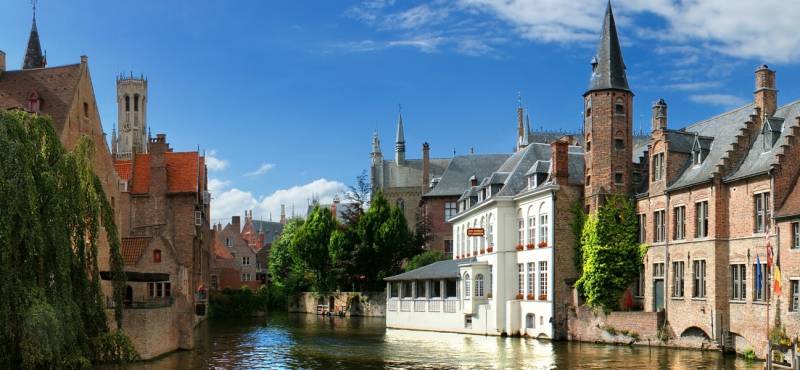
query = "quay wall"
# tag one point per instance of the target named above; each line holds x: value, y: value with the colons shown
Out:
x: 350, y: 303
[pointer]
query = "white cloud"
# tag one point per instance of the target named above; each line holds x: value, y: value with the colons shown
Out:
x: 690, y: 86
x: 234, y: 201
x: 264, y: 168
x: 213, y: 163
x: 724, y: 100
x: 216, y: 186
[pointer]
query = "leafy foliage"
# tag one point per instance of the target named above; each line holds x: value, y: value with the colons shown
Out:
x: 611, y: 253
x: 311, y: 246
x: 576, y: 226
x: 424, y: 259
x: 54, y: 213
x: 230, y: 303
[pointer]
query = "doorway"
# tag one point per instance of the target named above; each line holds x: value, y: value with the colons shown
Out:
x: 658, y: 295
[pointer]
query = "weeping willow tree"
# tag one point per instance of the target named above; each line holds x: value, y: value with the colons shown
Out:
x: 53, y: 212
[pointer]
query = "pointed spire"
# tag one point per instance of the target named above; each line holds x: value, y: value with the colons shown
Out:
x: 400, y: 142
x: 608, y: 68
x: 376, y: 143
x: 526, y: 139
x: 33, y: 55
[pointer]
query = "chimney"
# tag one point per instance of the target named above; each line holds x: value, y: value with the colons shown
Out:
x: 659, y: 119
x: 560, y: 159
x: 158, y: 167
x: 283, y: 214
x: 236, y: 223
x: 766, y: 96
x: 426, y: 167
x: 2, y: 62
x: 334, y: 205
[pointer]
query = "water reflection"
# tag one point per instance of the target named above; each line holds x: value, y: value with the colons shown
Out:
x: 308, y: 341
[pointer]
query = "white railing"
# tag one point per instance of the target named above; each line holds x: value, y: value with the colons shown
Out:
x: 419, y: 305
x: 405, y: 306
x: 392, y: 305
x: 450, y: 306
x: 434, y: 305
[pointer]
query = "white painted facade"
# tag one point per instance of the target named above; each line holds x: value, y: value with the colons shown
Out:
x: 492, y: 296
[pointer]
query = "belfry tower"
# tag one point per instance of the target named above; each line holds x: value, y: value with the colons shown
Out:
x: 607, y: 126
x: 131, y: 117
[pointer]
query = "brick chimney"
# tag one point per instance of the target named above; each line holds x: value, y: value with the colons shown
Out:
x: 236, y: 223
x: 2, y: 62
x: 426, y: 167
x: 334, y: 205
x: 560, y: 159
x: 659, y: 119
x: 766, y: 96
x: 158, y: 166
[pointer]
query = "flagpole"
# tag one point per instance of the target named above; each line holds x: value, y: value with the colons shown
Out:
x: 769, y: 299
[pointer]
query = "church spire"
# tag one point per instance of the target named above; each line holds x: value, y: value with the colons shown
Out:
x: 608, y: 68
x: 400, y: 142
x: 33, y: 55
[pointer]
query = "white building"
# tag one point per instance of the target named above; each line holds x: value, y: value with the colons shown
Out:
x: 517, y: 278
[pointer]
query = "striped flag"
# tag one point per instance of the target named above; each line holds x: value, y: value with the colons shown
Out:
x: 776, y: 273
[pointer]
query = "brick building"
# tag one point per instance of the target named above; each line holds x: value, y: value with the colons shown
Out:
x: 243, y: 254
x: 704, y: 194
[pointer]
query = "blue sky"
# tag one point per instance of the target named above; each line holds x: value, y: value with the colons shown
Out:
x: 296, y: 88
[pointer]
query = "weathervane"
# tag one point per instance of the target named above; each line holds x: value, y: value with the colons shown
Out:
x: 33, y: 4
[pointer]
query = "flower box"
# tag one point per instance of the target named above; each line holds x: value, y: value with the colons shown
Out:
x: 543, y: 297
x: 490, y: 249
x: 482, y: 251
x: 519, y: 295
x: 543, y: 244
x: 530, y: 297
x: 530, y: 246
x: 520, y: 247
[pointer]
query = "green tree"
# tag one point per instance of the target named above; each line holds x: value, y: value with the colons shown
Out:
x: 611, y: 253
x: 287, y: 273
x: 424, y: 259
x: 311, y: 247
x: 54, y: 212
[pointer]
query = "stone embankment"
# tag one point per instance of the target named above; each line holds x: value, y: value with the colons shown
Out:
x: 344, y: 303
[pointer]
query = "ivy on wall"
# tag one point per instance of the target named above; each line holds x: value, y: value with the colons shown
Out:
x: 611, y: 254
x: 54, y: 211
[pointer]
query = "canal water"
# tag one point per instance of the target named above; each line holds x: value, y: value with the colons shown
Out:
x: 297, y: 341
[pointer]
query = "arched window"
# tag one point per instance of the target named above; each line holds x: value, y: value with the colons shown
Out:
x: 619, y: 106
x: 127, y: 103
x: 85, y: 109
x: 588, y: 108
x: 531, y: 226
x: 157, y: 255
x: 467, y: 291
x: 619, y: 140
x: 520, y: 228
x: 479, y: 285
x: 483, y: 238
x: 490, y: 230
x: 530, y: 321
x: 136, y: 102
x: 475, y: 239
x: 401, y: 204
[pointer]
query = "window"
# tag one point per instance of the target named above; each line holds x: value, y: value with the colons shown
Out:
x: 401, y: 204
x: 588, y: 146
x: 677, y: 279
x: 479, y: 285
x: 520, y: 278
x: 436, y: 289
x: 619, y: 144
x: 762, y: 212
x: 467, y: 291
x: 228, y: 242
x: 619, y: 107
x: 136, y: 103
x: 531, y: 279
x: 406, y: 286
x: 697, y: 156
x: 448, y: 247
x: 588, y: 180
x: 214, y: 282
x: 760, y: 284
x: 701, y: 218
x: 543, y: 280
x: 543, y: 231
x: 795, y: 236
x: 618, y: 178
x: 157, y: 255
x: 658, y: 270
x: 638, y: 289
x: 659, y: 226
x: 658, y: 167
x: 642, y: 228
x: 520, y: 228
x: 530, y: 321
x: 699, y: 273
x: 738, y: 282
x: 450, y: 210
x: 86, y: 109
x: 794, y: 302
x: 490, y: 230
x: 420, y: 286
x: 482, y: 239
x: 679, y: 223
x: 159, y: 289
x: 531, y: 226
x: 198, y: 218
x: 246, y: 260
x: 127, y: 103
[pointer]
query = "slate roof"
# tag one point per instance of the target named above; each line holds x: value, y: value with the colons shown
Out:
x: 271, y: 229
x: 455, y: 179
x: 132, y: 249
x: 33, y: 54
x: 519, y: 164
x: 447, y: 269
x: 609, y: 68
x: 56, y: 87
x: 185, y: 172
x: 409, y: 174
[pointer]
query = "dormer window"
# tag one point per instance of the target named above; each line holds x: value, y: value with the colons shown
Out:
x: 697, y: 156
x: 34, y: 102
x: 771, y: 132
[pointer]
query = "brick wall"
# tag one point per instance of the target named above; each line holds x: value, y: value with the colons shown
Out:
x: 367, y: 304
x: 441, y: 230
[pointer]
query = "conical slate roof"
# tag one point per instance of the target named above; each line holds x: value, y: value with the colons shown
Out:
x: 608, y: 68
x: 33, y: 55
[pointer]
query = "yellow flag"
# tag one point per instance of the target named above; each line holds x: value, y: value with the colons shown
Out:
x: 776, y: 273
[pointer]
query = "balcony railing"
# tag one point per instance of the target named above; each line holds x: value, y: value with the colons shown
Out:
x: 422, y: 305
x: 392, y: 305
x: 405, y: 306
x: 450, y: 306
x: 434, y: 305
x: 419, y: 305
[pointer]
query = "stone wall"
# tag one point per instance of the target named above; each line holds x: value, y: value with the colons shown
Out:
x: 152, y: 330
x: 630, y: 327
x: 351, y: 303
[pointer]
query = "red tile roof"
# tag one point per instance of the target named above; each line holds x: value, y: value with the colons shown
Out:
x: 56, y: 87
x: 220, y: 251
x: 124, y: 169
x: 790, y: 206
x: 184, y: 172
x: 132, y: 249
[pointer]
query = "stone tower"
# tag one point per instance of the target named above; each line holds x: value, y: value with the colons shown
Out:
x: 131, y: 117
x: 608, y: 114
